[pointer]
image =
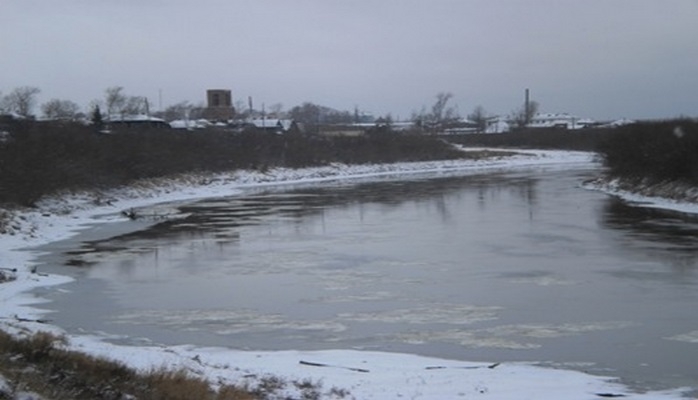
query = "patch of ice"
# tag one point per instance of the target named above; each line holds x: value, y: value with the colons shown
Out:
x: 350, y: 298
x: 544, y: 281
x: 506, y: 336
x: 553, y: 331
x: 223, y: 322
x: 690, y: 337
x: 457, y: 314
x: 467, y: 338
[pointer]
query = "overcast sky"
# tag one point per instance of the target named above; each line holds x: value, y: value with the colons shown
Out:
x: 602, y: 59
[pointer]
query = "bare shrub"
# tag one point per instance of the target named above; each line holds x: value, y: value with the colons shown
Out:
x: 657, y: 151
x: 175, y: 385
x: 233, y: 393
x: 40, y: 363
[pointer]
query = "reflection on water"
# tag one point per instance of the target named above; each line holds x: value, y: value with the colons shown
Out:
x: 221, y: 218
x: 666, y: 236
x: 500, y: 267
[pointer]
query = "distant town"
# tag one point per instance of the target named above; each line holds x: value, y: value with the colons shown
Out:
x: 118, y: 110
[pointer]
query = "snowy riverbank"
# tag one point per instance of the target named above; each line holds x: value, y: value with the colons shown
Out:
x: 365, y: 375
x: 672, y: 196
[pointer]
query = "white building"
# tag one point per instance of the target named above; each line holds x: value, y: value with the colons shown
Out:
x: 497, y: 124
x: 136, y: 120
x: 564, y: 120
x: 190, y: 124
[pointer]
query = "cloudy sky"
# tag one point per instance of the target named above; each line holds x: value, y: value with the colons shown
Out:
x: 602, y: 59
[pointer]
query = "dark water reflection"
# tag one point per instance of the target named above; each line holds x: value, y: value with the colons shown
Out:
x: 500, y: 267
x: 665, y: 236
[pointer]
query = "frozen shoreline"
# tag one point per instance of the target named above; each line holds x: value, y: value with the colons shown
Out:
x: 389, y: 375
x: 665, y: 196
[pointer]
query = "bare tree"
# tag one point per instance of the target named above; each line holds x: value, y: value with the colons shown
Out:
x: 276, y: 110
x: 307, y: 114
x: 439, y: 111
x: 118, y: 103
x: 311, y: 116
x: 441, y: 114
x: 135, y: 105
x: 181, y: 110
x: 522, y: 117
x: 60, y: 109
x: 479, y: 118
x: 241, y: 110
x: 417, y: 117
x: 21, y: 100
x: 197, y: 111
x: 114, y: 100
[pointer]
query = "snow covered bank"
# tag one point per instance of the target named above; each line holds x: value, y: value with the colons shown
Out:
x: 364, y: 375
x: 674, y: 196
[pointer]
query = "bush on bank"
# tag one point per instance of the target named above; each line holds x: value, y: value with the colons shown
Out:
x: 38, y: 159
x: 653, y: 152
x: 539, y: 138
x: 650, y: 152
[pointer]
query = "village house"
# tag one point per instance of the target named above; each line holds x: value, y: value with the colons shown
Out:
x: 562, y: 120
x: 274, y: 125
x: 136, y: 121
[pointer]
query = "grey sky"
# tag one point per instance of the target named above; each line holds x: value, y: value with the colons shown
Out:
x: 602, y: 59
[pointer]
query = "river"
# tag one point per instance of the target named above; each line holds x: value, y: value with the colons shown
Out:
x: 523, y: 265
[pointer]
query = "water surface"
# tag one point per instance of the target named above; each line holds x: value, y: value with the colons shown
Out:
x: 507, y: 266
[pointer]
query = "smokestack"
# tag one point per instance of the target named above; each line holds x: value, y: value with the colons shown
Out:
x: 527, y: 108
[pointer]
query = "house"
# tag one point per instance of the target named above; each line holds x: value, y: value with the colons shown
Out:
x: 562, y: 121
x: 497, y: 124
x: 190, y: 124
x: 136, y: 121
x: 460, y: 127
x: 617, y: 123
x: 274, y: 125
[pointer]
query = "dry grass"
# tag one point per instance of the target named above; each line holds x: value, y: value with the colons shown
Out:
x: 40, y: 364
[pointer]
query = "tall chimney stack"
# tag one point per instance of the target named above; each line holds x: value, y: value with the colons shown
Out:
x: 527, y: 108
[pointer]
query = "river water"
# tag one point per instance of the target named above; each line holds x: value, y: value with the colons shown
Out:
x: 507, y: 266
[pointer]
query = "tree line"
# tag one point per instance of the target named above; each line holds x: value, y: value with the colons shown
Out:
x: 41, y: 158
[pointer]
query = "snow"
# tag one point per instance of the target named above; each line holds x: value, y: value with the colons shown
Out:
x: 618, y: 122
x: 133, y: 118
x: 364, y: 375
x: 614, y: 188
x: 189, y: 124
x: 284, y: 124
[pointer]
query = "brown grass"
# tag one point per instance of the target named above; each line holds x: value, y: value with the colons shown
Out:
x: 39, y: 363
